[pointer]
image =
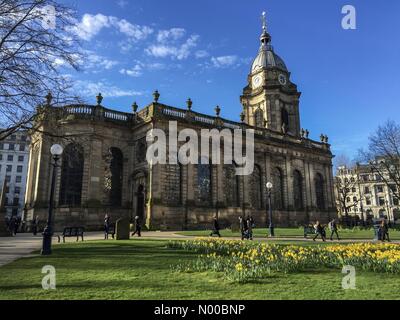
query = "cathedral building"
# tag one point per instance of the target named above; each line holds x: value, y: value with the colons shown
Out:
x: 104, y: 169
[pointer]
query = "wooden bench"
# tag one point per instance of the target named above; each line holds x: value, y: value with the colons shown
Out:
x: 69, y: 232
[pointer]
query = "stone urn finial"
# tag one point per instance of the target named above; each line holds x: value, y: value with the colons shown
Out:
x: 242, y: 117
x: 135, y: 107
x: 156, y: 96
x: 99, y: 99
x: 217, y: 111
x: 189, y: 104
x: 49, y: 99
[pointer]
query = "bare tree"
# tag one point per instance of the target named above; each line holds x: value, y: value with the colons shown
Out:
x: 36, y: 39
x: 383, y: 155
x: 344, y: 186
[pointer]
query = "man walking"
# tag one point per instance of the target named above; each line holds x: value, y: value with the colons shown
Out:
x: 216, y: 228
x: 138, y: 227
x: 334, y: 229
x: 249, y: 229
x: 241, y: 227
x: 319, y: 230
x: 35, y: 225
x: 106, y: 226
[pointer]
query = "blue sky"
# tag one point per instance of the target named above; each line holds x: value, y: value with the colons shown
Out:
x: 204, y: 49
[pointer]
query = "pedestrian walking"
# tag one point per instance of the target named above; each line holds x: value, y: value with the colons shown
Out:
x: 35, y: 225
x: 138, y: 227
x: 319, y: 231
x: 106, y: 226
x: 249, y: 229
x: 333, y: 227
x: 216, y: 228
x: 253, y: 223
x: 11, y: 226
x: 384, y: 231
x: 241, y: 227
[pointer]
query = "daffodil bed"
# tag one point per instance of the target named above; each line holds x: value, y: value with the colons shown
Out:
x: 243, y: 261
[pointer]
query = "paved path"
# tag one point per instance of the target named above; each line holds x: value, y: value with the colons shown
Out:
x: 12, y: 248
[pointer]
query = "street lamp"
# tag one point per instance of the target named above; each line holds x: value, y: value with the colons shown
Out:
x: 56, y: 151
x: 269, y: 186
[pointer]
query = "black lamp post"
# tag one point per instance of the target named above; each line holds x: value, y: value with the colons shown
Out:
x: 56, y: 151
x: 269, y: 211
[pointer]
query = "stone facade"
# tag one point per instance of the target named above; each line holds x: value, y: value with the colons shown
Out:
x: 187, y: 196
x: 368, y: 196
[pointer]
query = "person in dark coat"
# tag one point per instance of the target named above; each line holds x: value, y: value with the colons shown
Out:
x: 35, y: 225
x: 241, y: 227
x: 138, y: 227
x: 320, y: 231
x: 334, y: 229
x: 384, y: 231
x: 11, y: 226
x: 249, y: 229
x: 216, y: 228
x: 17, y: 224
x: 106, y: 226
x: 253, y: 223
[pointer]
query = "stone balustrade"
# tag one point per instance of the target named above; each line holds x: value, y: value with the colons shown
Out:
x: 163, y: 111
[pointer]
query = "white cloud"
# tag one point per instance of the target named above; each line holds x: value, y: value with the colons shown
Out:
x: 97, y: 62
x: 170, y: 35
x: 201, y: 54
x: 91, y: 25
x: 179, y: 52
x: 156, y: 66
x: 90, y: 89
x: 122, y: 3
x: 224, y: 61
x: 136, y: 71
x: 132, y: 31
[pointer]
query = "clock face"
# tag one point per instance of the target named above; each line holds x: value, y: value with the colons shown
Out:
x: 282, y: 79
x: 257, y: 81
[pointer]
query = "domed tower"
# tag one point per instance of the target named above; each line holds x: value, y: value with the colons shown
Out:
x: 271, y: 100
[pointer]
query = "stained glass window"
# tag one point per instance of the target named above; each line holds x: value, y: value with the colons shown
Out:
x: 231, y: 186
x: 204, y: 182
x: 71, y: 175
x: 278, y: 191
x: 319, y: 191
x: 298, y: 190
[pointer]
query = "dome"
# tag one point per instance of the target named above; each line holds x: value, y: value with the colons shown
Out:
x: 267, y: 58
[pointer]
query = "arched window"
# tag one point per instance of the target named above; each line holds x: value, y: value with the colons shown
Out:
x: 298, y: 190
x: 71, y: 175
x: 172, y: 193
x: 319, y: 191
x: 204, y: 179
x: 113, y: 176
x: 259, y: 118
x: 278, y: 188
x: 256, y: 188
x: 285, y: 119
x: 231, y: 186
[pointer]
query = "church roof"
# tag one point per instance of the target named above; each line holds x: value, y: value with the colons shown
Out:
x: 267, y: 58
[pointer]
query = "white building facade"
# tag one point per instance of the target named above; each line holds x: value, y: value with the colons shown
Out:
x: 14, y: 161
x: 368, y: 196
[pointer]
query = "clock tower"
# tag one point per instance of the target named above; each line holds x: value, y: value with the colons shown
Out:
x: 271, y: 100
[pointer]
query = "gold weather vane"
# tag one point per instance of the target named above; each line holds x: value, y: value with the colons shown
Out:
x: 264, y: 21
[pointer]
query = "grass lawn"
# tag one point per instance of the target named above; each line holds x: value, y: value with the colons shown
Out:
x: 296, y: 232
x: 141, y: 269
